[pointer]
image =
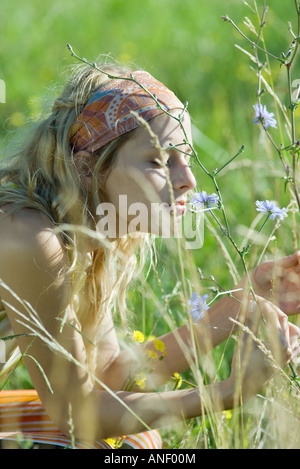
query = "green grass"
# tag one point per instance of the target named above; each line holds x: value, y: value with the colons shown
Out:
x: 186, y: 45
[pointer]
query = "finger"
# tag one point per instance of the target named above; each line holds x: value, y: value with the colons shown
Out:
x: 279, y: 266
x: 294, y: 332
x: 250, y: 314
x: 277, y: 329
x: 284, y: 324
x: 269, y: 270
x: 289, y: 262
x: 270, y: 311
x: 253, y: 317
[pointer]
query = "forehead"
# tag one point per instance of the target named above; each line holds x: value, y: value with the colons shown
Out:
x: 167, y: 129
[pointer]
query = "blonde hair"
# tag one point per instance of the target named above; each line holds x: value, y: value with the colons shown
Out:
x: 43, y: 175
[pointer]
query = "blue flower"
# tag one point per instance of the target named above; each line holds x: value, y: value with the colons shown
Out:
x: 198, y: 306
x: 204, y: 200
x: 272, y: 208
x: 264, y: 117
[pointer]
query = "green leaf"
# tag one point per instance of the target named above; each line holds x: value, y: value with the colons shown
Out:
x: 42, y: 372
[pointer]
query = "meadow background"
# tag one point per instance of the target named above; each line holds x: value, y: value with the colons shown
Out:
x: 187, y: 46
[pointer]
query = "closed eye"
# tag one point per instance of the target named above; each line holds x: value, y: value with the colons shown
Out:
x: 158, y: 164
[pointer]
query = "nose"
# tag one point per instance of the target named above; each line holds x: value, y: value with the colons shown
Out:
x: 182, y: 178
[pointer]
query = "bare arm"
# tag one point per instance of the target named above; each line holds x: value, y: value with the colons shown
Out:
x: 184, y: 346
x: 34, y: 267
x: 181, y: 349
x: 39, y: 278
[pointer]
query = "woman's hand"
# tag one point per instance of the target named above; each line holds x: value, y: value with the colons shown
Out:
x: 255, y: 362
x: 279, y: 281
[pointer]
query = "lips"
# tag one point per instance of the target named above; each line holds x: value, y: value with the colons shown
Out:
x: 180, y: 209
x: 180, y: 206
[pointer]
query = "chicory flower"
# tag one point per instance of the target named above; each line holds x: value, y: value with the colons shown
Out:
x: 264, y: 117
x: 203, y: 199
x: 271, y: 208
x: 198, y: 306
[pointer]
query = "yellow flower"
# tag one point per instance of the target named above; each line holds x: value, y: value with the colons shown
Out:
x: 159, y: 345
x: 115, y: 442
x: 177, y: 378
x: 140, y: 380
x: 111, y: 441
x: 228, y: 414
x: 138, y: 336
x: 151, y: 337
x: 152, y: 354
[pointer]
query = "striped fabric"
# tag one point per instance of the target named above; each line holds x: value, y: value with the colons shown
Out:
x: 22, y: 415
x: 109, y: 112
x: 146, y: 440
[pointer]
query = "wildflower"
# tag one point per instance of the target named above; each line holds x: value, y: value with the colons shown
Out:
x: 111, y: 441
x: 204, y: 200
x: 198, y: 306
x: 140, y: 380
x: 138, y: 336
x: 151, y: 354
x: 227, y: 414
x: 264, y: 117
x: 271, y: 208
x: 159, y: 345
x: 178, y: 380
x: 150, y: 337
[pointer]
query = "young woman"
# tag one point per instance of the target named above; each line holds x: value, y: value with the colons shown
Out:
x: 63, y: 271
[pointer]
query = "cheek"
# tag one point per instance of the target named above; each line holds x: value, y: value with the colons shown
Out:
x: 137, y: 185
x: 149, y: 188
x: 115, y: 185
x: 157, y: 183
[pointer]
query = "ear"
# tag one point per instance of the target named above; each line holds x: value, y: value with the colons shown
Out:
x: 85, y: 163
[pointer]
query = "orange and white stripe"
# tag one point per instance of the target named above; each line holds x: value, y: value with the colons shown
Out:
x: 146, y: 440
x: 22, y: 413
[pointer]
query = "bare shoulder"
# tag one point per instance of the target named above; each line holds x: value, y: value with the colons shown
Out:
x: 35, y: 287
x: 34, y: 268
x: 29, y: 233
x: 33, y: 259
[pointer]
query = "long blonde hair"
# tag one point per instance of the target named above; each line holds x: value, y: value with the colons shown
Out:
x: 42, y: 175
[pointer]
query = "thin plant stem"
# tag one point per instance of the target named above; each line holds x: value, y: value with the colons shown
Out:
x: 246, y: 249
x: 292, y: 106
x: 242, y: 148
x: 229, y: 20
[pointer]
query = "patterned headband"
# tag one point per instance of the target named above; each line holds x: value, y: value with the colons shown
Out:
x: 108, y: 114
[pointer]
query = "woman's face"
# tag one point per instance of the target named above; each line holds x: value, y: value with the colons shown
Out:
x: 138, y: 186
